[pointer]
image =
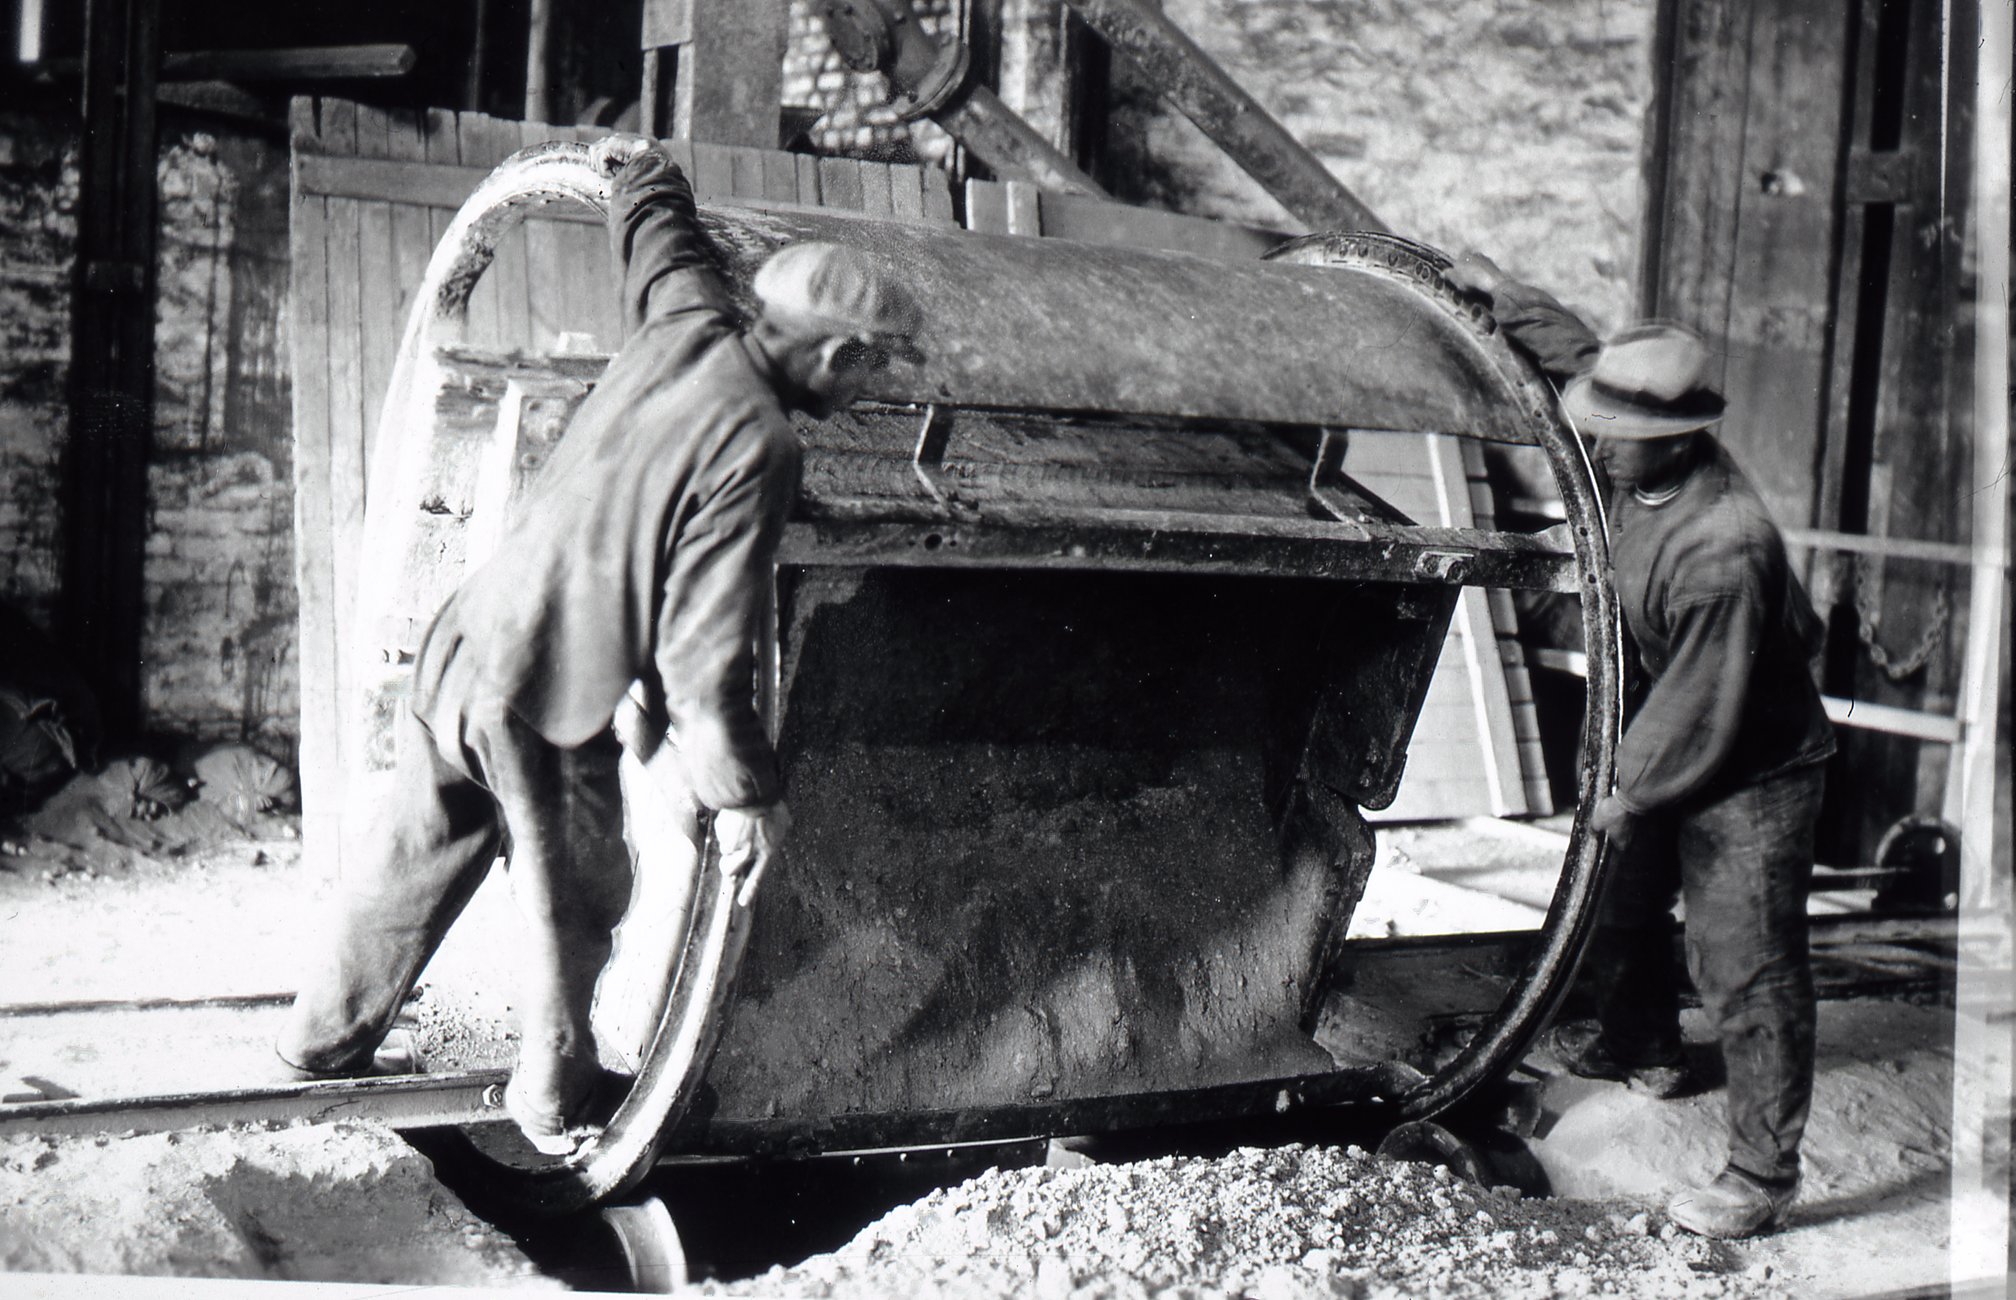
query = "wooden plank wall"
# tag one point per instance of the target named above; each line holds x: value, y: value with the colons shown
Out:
x: 1750, y: 228
x: 1900, y: 445
x: 373, y: 192
x: 1019, y: 208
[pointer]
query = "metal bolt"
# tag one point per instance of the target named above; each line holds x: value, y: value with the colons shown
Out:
x: 1444, y: 565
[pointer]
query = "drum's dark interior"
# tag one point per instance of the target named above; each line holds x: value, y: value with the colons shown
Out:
x: 1025, y: 800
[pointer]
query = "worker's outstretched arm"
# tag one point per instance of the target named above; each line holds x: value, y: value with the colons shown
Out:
x: 661, y: 259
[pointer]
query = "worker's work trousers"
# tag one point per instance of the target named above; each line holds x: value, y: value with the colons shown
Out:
x: 1743, y: 862
x: 418, y: 859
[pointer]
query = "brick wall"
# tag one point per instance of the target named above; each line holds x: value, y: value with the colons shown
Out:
x: 221, y: 608
x: 219, y: 579
x: 1510, y: 125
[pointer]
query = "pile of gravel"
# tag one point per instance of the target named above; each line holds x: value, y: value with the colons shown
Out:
x: 1261, y: 1224
x: 320, y: 1203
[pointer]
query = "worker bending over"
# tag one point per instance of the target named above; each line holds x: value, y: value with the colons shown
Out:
x: 1719, y: 770
x: 643, y: 554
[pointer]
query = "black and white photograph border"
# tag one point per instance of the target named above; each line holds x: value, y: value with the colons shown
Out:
x: 1068, y: 980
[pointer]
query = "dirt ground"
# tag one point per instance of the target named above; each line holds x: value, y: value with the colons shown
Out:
x: 184, y: 907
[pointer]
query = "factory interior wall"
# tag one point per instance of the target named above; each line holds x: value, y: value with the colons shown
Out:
x: 1514, y: 127
x: 220, y: 659
x: 219, y: 637
x: 1475, y: 123
x: 38, y: 183
x: 1488, y: 124
x: 1816, y: 219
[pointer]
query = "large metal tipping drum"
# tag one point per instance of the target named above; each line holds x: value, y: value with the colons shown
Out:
x: 1088, y: 654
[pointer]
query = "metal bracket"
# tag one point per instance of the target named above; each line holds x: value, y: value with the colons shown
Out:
x: 1339, y: 495
x: 886, y: 36
x: 927, y: 462
x: 940, y: 85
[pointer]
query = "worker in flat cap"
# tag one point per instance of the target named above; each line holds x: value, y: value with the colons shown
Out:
x: 1720, y: 766
x: 638, y: 569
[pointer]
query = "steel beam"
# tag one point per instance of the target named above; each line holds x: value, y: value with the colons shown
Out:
x: 934, y: 79
x: 1361, y: 1085
x: 401, y: 1102
x: 1190, y: 80
x: 997, y: 136
x: 1169, y: 541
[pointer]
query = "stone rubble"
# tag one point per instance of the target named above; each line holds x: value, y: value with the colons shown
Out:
x: 338, y: 1202
x: 1287, y: 1223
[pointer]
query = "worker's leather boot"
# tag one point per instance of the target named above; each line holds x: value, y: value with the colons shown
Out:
x: 1735, y: 1205
x: 398, y: 1054
x: 559, y: 1104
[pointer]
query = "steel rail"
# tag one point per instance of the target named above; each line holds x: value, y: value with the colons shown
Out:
x: 401, y: 1102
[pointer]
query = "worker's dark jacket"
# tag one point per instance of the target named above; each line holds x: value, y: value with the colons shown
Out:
x: 1723, y: 627
x: 644, y: 551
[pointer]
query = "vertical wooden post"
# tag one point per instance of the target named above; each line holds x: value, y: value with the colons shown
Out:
x: 726, y: 65
x: 323, y: 715
x: 539, y: 62
x: 1658, y: 154
x: 472, y: 91
x: 112, y: 356
x: 1033, y: 46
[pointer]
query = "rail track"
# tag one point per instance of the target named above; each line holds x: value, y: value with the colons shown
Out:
x: 1464, y: 976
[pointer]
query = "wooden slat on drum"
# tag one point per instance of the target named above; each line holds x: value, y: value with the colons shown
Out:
x: 937, y: 185
x: 876, y: 199
x: 713, y: 172
x: 780, y: 177
x: 808, y: 178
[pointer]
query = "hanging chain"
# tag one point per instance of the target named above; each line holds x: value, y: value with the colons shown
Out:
x: 1869, y: 621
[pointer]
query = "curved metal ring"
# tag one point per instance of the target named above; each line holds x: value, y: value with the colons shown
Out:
x: 1518, y: 1021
